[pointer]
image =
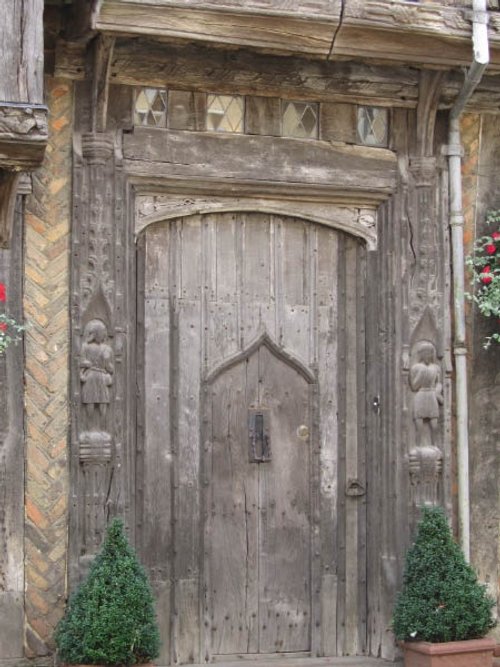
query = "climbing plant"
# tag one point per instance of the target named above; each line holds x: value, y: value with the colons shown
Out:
x: 10, y: 330
x: 485, y: 265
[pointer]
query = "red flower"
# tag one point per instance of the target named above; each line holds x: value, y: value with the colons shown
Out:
x: 490, y: 248
x: 3, y: 292
x: 3, y: 326
x: 495, y: 236
x: 486, y: 279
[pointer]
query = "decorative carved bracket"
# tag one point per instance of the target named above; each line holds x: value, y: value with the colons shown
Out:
x: 8, y: 191
x: 23, y: 137
x: 102, y: 52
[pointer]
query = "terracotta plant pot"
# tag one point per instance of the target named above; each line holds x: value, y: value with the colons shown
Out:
x: 142, y: 664
x: 471, y: 653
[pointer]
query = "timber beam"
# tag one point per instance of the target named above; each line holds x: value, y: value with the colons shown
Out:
x: 393, y: 31
x: 142, y: 61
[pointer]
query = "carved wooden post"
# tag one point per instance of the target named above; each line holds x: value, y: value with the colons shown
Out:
x: 427, y: 341
x: 95, y: 452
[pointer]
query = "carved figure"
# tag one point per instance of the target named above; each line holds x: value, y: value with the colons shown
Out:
x: 96, y: 368
x: 425, y: 381
x: 426, y: 464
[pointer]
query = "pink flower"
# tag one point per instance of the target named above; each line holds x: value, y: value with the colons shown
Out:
x: 490, y: 248
x: 486, y: 279
x: 3, y: 326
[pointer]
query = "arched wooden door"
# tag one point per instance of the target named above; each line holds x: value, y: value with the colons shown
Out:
x: 257, y: 466
x: 250, y: 435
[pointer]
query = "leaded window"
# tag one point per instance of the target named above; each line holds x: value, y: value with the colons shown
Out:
x: 150, y: 107
x: 299, y: 119
x: 373, y: 125
x: 225, y: 113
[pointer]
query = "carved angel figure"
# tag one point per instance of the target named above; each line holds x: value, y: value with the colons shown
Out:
x: 96, y: 367
x: 425, y: 381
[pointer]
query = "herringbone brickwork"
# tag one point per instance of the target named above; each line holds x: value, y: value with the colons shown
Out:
x: 470, y: 126
x: 46, y: 377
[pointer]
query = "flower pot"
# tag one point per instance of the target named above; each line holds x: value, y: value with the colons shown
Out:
x: 470, y: 653
x: 141, y: 664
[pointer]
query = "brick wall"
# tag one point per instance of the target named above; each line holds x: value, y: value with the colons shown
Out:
x: 46, y: 304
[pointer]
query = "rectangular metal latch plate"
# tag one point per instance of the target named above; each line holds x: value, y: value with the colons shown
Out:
x: 259, y: 443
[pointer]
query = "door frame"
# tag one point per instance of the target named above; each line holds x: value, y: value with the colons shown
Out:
x: 161, y: 206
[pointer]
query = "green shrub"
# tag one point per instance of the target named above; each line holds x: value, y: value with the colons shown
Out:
x: 110, y: 619
x: 441, y: 599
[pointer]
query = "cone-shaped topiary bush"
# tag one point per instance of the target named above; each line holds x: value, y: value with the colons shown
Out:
x: 110, y: 619
x: 441, y: 599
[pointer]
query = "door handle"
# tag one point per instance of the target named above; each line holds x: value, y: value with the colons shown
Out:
x: 258, y: 435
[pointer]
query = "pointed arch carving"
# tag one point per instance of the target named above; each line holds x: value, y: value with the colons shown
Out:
x: 359, y: 222
x: 264, y: 339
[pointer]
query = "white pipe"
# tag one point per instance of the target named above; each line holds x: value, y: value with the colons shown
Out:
x: 473, y: 77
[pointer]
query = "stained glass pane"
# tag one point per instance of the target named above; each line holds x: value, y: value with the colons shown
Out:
x: 150, y: 107
x: 300, y: 120
x: 225, y: 113
x: 373, y: 126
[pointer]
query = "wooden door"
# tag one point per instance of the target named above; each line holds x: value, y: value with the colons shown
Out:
x: 258, y: 529
x: 250, y: 325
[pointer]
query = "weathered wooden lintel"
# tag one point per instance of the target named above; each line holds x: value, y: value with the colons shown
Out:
x: 394, y: 31
x: 233, y: 163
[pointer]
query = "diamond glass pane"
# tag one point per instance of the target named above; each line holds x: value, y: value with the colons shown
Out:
x: 373, y: 126
x: 300, y: 120
x: 150, y: 107
x: 225, y: 113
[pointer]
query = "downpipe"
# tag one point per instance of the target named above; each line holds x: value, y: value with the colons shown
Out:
x: 454, y: 151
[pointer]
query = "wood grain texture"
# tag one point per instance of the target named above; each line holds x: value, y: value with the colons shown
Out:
x: 404, y: 32
x: 276, y: 31
x: 21, y: 37
x: 139, y: 62
x: 255, y: 546
x: 366, y: 173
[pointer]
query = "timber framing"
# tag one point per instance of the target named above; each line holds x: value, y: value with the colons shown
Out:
x: 141, y: 61
x: 435, y: 33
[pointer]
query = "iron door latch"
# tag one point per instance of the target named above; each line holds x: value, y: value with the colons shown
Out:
x: 259, y: 444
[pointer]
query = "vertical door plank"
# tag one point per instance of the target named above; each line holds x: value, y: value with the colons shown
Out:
x: 187, y: 372
x: 340, y: 544
x: 155, y: 460
x: 351, y: 646
x: 190, y: 257
x: 226, y: 253
x: 295, y: 275
x: 285, y: 558
x: 327, y: 309
x: 223, y: 309
x: 232, y: 517
x: 257, y: 284
x: 361, y: 453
